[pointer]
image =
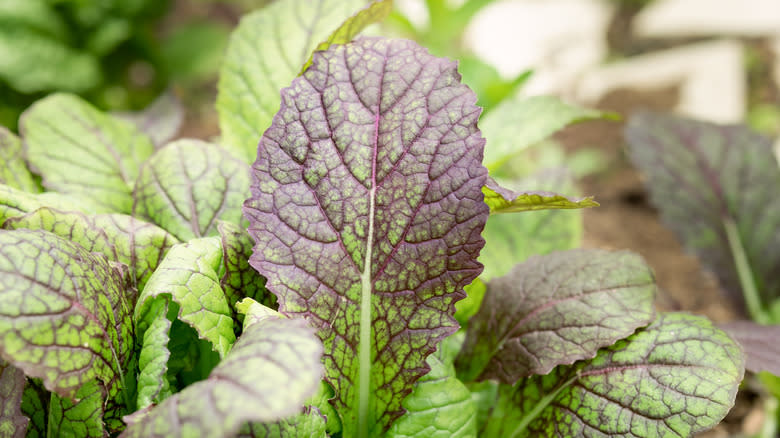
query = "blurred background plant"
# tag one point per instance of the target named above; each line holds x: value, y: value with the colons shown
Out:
x: 118, y: 54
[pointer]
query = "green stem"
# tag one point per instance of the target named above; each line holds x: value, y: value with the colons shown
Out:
x: 745, y: 274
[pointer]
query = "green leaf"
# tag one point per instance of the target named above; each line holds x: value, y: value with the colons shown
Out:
x: 193, y: 51
x: 121, y: 238
x: 35, y: 406
x: 65, y: 316
x: 239, y: 279
x: 188, y: 185
x: 268, y: 375
x: 517, y: 124
x: 80, y: 150
x: 503, y: 200
x: 367, y: 211
x: 189, y: 276
x: 78, y: 419
x: 310, y: 423
x: 553, y: 310
x: 161, y: 120
x: 676, y: 377
x: 716, y: 188
x: 512, y: 238
x: 15, y: 202
x: 153, y: 384
x: 13, y: 423
x: 440, y: 406
x: 33, y: 62
x: 266, y: 52
x: 37, y: 15
x: 14, y: 171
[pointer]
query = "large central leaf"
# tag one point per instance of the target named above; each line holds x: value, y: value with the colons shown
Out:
x: 367, y: 211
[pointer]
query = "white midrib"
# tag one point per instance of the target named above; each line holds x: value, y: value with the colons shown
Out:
x: 364, y: 346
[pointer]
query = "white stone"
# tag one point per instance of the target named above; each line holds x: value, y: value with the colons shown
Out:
x: 677, y: 18
x: 711, y: 75
x: 558, y: 39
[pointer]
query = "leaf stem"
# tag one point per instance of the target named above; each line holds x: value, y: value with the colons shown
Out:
x: 745, y: 274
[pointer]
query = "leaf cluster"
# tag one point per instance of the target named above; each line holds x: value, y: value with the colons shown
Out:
x: 158, y: 287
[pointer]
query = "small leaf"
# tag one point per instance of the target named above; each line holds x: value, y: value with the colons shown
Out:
x: 15, y: 202
x: 367, y: 211
x: 160, y: 121
x: 78, y: 149
x: 79, y: 419
x: 511, y: 239
x: 517, y: 124
x: 125, y: 239
x: 703, y: 177
x: 13, y: 423
x: 188, y: 185
x: 676, y: 377
x: 440, y: 406
x: 239, y: 279
x: 188, y: 276
x: 553, y: 310
x: 65, y: 316
x: 762, y: 351
x: 267, y: 52
x: 503, y: 200
x: 35, y: 406
x: 14, y: 171
x: 268, y: 375
x: 153, y: 384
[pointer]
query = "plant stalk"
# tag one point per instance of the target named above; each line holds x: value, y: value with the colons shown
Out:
x: 745, y: 274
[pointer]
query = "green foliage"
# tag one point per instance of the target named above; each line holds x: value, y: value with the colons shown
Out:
x: 134, y: 302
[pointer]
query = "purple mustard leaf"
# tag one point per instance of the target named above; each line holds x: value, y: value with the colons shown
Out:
x: 366, y: 210
x: 13, y: 423
x: 556, y: 309
x: 760, y: 343
x: 706, y: 179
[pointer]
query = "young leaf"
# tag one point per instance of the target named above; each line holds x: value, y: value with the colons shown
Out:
x: 440, y: 406
x: 711, y: 182
x: 153, y: 384
x: 65, y: 316
x: 13, y: 423
x: 268, y: 375
x: 125, y: 239
x: 187, y: 186
x: 676, y: 377
x: 553, y: 310
x: 267, y: 52
x: 512, y: 238
x: 503, y: 200
x: 35, y: 406
x: 14, y: 171
x: 762, y: 352
x: 366, y: 208
x: 15, y: 202
x: 160, y: 121
x: 189, y: 276
x: 516, y: 124
x: 78, y: 149
x: 83, y: 418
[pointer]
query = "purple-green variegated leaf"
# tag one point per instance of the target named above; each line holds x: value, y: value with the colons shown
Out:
x: 188, y: 186
x: 14, y: 170
x: 82, y: 418
x: 556, y: 309
x: 503, y: 200
x: 760, y: 343
x: 707, y: 179
x: 13, y: 423
x: 78, y: 149
x: 367, y: 211
x: 674, y: 378
x: 239, y: 280
x: 121, y: 238
x: 273, y: 368
x: 66, y: 313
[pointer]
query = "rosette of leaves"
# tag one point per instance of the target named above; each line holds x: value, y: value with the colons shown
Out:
x: 130, y: 304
